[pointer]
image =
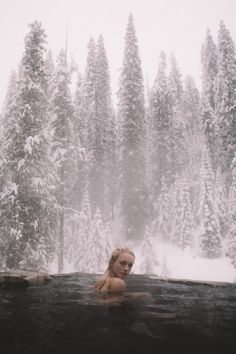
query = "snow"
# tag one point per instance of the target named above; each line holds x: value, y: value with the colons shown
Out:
x: 12, y: 188
x: 31, y: 141
x: 38, y: 183
x: 186, y: 264
x: 20, y: 164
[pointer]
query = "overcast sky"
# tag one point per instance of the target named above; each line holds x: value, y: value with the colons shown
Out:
x: 177, y: 26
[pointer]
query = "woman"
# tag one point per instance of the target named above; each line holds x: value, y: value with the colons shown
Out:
x: 119, y: 266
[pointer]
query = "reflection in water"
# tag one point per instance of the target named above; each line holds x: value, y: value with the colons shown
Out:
x: 118, y: 298
x: 127, y: 311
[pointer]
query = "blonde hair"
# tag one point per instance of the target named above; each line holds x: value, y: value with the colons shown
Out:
x: 108, y: 275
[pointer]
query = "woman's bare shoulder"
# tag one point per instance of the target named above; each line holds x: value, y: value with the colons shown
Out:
x: 114, y: 284
x: 118, y: 284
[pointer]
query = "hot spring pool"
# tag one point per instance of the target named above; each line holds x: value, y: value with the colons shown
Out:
x: 154, y: 316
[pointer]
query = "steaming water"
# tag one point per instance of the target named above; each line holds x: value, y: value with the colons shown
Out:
x: 154, y: 316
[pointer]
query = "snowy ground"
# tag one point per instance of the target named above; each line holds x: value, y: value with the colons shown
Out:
x: 179, y: 264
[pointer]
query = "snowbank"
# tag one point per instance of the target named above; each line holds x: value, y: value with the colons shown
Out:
x: 185, y: 264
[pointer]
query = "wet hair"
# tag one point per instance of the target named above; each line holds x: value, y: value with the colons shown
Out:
x: 108, y: 275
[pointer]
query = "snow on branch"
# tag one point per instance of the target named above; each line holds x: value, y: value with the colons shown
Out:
x: 38, y: 183
x: 31, y: 142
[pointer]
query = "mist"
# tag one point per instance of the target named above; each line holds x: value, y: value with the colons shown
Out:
x: 154, y: 170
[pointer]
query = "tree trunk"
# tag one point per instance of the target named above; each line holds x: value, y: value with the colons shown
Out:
x: 61, y: 243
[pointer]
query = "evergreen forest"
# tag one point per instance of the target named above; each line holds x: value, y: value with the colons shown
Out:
x: 81, y: 175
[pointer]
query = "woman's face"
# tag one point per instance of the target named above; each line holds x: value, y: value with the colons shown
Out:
x: 122, y: 265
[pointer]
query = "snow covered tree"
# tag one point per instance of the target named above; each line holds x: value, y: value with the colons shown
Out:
x: 105, y: 126
x: 88, y: 127
x: 62, y: 147
x: 175, y: 84
x: 79, y: 106
x: 162, y: 208
x: 186, y: 215
x: 28, y: 208
x: 10, y: 96
x: 98, y: 246
x: 50, y: 73
x: 149, y: 258
x: 225, y: 95
x: 230, y: 243
x: 90, y: 95
x: 210, y: 238
x: 211, y: 130
x: 181, y: 214
x: 193, y: 132
x: 8, y: 120
x: 164, y: 273
x: 190, y: 106
x: 77, y: 243
x: 221, y: 201
x: 176, y: 214
x: 8, y: 190
x: 102, y: 140
x: 177, y: 131
x: 207, y: 106
x: 209, y: 68
x: 80, y: 136
x: 131, y: 115
x: 161, y: 127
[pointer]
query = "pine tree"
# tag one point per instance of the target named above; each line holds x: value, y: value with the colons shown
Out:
x: 190, y: 106
x: 105, y: 126
x: 220, y: 192
x: 79, y: 106
x: 209, y: 68
x: 176, y: 214
x: 210, y: 126
x: 101, y: 144
x: 186, y: 215
x: 50, y: 74
x: 131, y: 115
x: 90, y: 93
x: 231, y: 235
x: 181, y: 214
x: 8, y: 190
x: 80, y: 136
x: 149, y: 259
x: 210, y: 238
x: 28, y: 208
x: 98, y: 250
x: 161, y: 127
x: 225, y: 95
x: 165, y: 273
x: 177, y: 131
x: 175, y: 83
x: 89, y: 112
x: 162, y: 228
x: 9, y: 121
x: 193, y: 132
x: 62, y: 148
x: 77, y: 245
x: 207, y: 106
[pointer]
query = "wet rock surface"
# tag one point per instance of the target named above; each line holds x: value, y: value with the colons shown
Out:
x: 67, y: 316
x: 23, y: 279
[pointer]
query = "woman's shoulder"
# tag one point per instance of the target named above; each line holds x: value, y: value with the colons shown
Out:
x: 114, y: 284
x: 118, y: 284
